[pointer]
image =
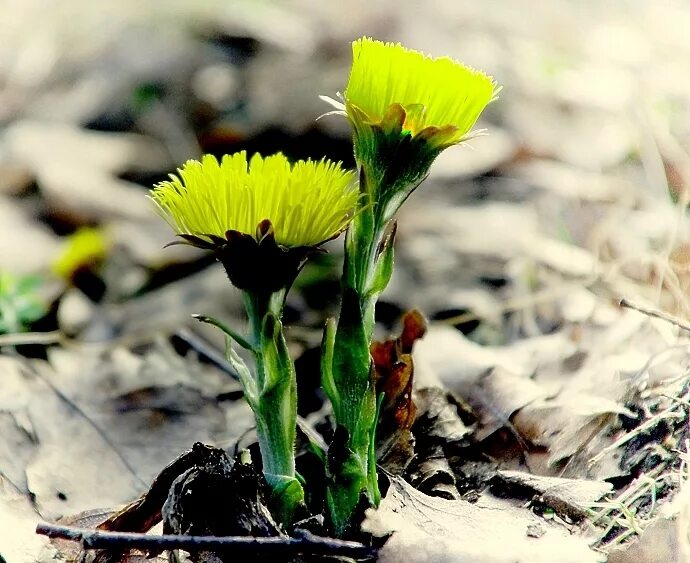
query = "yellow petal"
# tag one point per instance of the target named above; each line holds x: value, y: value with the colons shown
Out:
x: 436, y: 92
x: 83, y: 248
x: 307, y: 203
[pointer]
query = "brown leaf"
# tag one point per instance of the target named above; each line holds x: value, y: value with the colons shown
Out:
x: 394, y: 377
x: 438, y: 426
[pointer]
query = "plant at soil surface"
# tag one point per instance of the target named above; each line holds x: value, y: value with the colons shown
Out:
x: 20, y: 302
x: 405, y: 108
x: 262, y: 219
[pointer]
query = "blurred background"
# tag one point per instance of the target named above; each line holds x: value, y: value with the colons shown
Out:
x: 98, y: 101
x: 518, y: 247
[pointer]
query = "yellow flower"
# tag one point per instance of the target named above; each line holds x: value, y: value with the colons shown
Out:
x: 433, y: 92
x: 83, y: 249
x: 405, y: 108
x: 306, y: 204
x: 262, y: 217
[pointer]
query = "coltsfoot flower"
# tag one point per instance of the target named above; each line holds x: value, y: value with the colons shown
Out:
x: 262, y: 217
x: 82, y: 250
x: 405, y: 108
x: 440, y: 98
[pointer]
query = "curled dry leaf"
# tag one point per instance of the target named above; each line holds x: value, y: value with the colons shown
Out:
x: 394, y: 376
x: 145, y: 512
x: 497, y: 395
x: 438, y: 428
x: 432, y: 474
x: 438, y: 416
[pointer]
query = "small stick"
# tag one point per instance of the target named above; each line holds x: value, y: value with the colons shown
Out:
x: 675, y: 321
x: 307, y: 543
x: 44, y: 338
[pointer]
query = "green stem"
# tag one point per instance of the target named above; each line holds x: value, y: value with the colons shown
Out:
x: 367, y: 268
x: 275, y: 408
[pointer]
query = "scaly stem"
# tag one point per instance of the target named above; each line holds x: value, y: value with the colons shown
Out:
x: 275, y: 406
x: 348, y: 374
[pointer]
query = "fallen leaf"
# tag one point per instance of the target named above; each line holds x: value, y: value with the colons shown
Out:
x: 568, y: 497
x: 567, y: 181
x: 394, y: 370
x: 437, y: 429
x: 17, y: 225
x: 18, y: 519
x: 92, y: 427
x: 486, y: 154
x: 437, y: 416
x: 429, y: 529
x: 458, y: 362
x: 497, y: 395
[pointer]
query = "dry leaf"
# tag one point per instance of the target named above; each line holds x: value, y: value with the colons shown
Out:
x: 18, y: 519
x: 394, y: 378
x: 428, y: 529
x: 568, y: 497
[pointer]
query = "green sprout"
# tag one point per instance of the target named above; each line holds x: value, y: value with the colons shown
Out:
x: 20, y: 302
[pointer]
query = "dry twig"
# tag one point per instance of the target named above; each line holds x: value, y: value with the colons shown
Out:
x: 675, y: 321
x: 306, y: 544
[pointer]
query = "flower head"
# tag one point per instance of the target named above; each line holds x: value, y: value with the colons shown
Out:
x: 261, y: 216
x: 433, y: 92
x: 83, y: 249
x: 307, y: 203
x: 405, y: 108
